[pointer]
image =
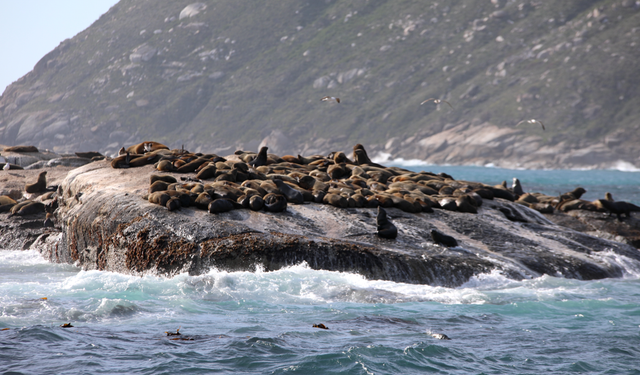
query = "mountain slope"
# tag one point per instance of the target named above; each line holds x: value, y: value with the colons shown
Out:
x: 217, y: 75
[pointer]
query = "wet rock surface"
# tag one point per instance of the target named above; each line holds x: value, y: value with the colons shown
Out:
x: 105, y: 223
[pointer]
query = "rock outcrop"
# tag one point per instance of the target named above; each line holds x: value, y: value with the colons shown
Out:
x: 104, y: 223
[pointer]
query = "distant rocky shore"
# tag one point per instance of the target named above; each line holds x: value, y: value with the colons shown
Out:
x: 110, y: 214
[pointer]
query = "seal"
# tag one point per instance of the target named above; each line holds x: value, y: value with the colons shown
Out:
x: 618, y: 208
x: 361, y: 156
x: 275, y: 203
x: 30, y: 208
x: 143, y: 147
x: 573, y: 194
x: 20, y: 149
x: 166, y: 178
x: 464, y: 204
x: 173, y: 204
x: 440, y: 336
x: 256, y: 203
x: 176, y: 333
x: 261, y: 159
x: 335, y: 200
x: 48, y: 222
x: 159, y: 197
x: 443, y: 239
x: 39, y: 186
x: 221, y: 205
x: 386, y: 229
x: 292, y: 195
x: 516, y: 187
x: 203, y: 201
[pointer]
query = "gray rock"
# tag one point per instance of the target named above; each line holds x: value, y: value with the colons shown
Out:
x: 114, y: 229
x: 142, y: 53
x: 192, y: 10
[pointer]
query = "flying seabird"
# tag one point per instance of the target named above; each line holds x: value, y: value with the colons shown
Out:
x: 532, y: 121
x: 329, y: 98
x: 437, y: 101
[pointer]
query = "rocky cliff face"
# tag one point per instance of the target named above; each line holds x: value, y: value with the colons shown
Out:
x: 222, y: 75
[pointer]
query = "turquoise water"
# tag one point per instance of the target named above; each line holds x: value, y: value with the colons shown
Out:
x: 261, y: 323
x: 624, y: 186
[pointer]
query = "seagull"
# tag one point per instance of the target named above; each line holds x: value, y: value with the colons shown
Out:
x: 6, y: 167
x: 437, y: 101
x: 329, y: 98
x: 532, y: 121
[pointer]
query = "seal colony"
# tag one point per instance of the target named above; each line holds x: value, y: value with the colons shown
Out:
x: 264, y: 181
x: 335, y: 212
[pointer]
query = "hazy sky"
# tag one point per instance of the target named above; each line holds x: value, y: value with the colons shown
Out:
x: 29, y: 29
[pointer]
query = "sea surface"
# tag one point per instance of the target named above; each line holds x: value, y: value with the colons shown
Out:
x: 262, y: 322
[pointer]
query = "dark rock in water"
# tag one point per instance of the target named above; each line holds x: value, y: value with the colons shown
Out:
x: 386, y: 229
x: 443, y: 239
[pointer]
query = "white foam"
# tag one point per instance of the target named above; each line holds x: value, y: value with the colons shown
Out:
x: 630, y: 267
x: 21, y: 257
x: 624, y: 166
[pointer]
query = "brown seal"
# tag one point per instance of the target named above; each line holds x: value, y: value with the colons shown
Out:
x: 159, y: 197
x: 30, y: 208
x: 143, y: 147
x: 39, y: 186
x: 292, y: 195
x: 21, y: 149
x: 221, y: 205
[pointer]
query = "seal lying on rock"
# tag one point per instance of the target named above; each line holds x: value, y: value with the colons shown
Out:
x: 275, y: 203
x: 30, y: 208
x: 443, y: 239
x: 21, y: 149
x: 386, y: 229
x: 293, y: 195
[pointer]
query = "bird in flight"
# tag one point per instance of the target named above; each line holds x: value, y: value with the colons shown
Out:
x: 330, y: 98
x: 437, y: 101
x: 532, y: 121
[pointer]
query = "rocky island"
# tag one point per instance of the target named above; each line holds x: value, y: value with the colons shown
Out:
x: 104, y: 220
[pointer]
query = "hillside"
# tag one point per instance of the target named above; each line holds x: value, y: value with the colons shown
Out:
x: 224, y: 74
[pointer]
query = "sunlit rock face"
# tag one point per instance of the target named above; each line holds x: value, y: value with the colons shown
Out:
x: 229, y: 75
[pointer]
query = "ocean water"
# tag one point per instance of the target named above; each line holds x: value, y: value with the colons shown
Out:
x: 262, y: 322
x: 624, y: 186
